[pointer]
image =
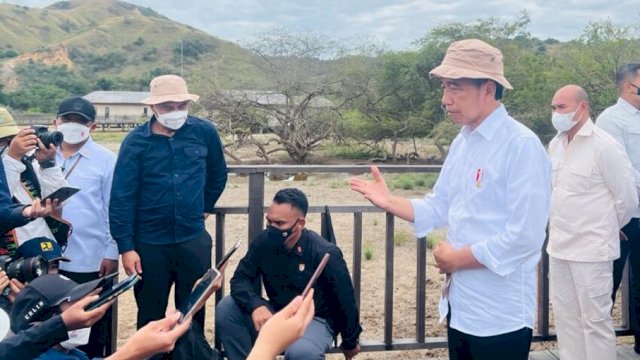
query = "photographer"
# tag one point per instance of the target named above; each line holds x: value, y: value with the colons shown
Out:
x: 31, y: 173
x: 14, y: 215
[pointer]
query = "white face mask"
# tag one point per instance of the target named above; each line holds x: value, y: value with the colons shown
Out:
x: 563, y: 122
x: 73, y: 133
x: 77, y: 338
x: 173, y: 120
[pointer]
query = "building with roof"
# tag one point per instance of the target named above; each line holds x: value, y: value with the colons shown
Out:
x: 119, y: 106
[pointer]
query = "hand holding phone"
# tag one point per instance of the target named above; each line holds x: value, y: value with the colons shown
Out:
x: 316, y: 274
x: 61, y: 194
x: 115, y: 291
x: 200, y: 293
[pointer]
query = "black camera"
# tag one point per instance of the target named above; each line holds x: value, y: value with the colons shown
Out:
x: 24, y: 270
x: 48, y: 137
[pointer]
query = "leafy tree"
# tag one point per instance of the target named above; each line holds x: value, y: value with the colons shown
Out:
x: 391, y: 104
x: 592, y: 60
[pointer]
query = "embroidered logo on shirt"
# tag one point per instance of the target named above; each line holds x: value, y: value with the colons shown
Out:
x: 479, y: 178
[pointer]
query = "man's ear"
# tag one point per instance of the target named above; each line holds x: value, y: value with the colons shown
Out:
x: 93, y: 126
x: 302, y: 222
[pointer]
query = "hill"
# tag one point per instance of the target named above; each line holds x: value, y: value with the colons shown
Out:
x: 121, y: 43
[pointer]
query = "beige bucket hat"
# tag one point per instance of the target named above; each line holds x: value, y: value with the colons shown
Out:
x: 472, y: 59
x: 8, y: 126
x: 168, y: 88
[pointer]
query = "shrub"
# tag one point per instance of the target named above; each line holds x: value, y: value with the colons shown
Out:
x: 401, y: 237
x: 368, y: 251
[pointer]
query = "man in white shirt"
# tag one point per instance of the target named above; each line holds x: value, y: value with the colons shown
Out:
x: 31, y: 172
x: 593, y: 196
x: 89, y: 167
x: 622, y: 121
x: 493, y: 194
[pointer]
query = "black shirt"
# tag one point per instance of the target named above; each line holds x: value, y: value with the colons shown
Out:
x: 285, y: 275
x: 34, y: 341
x: 162, y: 186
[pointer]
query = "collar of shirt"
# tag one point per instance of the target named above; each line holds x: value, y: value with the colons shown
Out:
x: 489, y: 126
x: 586, y: 129
x: 146, y: 127
x: 85, y: 151
x: 624, y: 104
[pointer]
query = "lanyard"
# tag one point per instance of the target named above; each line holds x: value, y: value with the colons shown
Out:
x: 75, y: 163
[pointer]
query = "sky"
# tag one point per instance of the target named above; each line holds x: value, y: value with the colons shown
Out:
x: 392, y: 23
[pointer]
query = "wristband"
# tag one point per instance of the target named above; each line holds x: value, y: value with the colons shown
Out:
x: 47, y: 164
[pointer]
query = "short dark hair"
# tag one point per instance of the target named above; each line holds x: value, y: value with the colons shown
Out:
x: 625, y: 72
x: 499, y: 87
x: 296, y: 198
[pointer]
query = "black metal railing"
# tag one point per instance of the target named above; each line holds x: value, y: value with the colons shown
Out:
x: 256, y: 209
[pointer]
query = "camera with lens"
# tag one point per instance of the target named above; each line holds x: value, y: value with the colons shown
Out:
x: 24, y: 269
x: 48, y: 137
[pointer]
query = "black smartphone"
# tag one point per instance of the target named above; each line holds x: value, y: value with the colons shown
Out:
x: 316, y: 274
x: 200, y: 293
x: 116, y: 290
x: 226, y: 256
x: 61, y: 194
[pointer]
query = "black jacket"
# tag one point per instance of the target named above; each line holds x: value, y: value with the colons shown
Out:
x: 30, y: 343
x: 285, y: 275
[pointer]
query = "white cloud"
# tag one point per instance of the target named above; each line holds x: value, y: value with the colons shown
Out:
x: 395, y: 22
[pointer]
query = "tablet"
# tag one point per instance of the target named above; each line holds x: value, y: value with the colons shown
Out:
x: 200, y: 293
x: 61, y: 194
x: 316, y: 274
x: 115, y: 291
x: 226, y: 256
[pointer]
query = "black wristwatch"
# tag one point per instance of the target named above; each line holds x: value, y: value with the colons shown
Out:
x: 47, y: 164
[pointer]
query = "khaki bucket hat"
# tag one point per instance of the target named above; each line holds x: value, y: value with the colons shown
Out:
x: 8, y: 126
x: 169, y: 88
x: 472, y: 59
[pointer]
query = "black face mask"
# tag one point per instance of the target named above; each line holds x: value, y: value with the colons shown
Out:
x: 277, y: 237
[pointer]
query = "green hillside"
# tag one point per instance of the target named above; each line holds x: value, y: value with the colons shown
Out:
x: 113, y: 40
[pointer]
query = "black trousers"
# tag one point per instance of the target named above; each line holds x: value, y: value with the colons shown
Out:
x: 510, y: 346
x: 164, y: 265
x: 100, y: 339
x: 630, y: 249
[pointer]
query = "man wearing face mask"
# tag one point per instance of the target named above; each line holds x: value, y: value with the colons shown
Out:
x: 593, y: 196
x: 169, y: 174
x: 89, y: 167
x: 285, y: 255
x: 622, y: 121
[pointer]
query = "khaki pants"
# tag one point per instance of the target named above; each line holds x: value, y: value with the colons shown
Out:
x: 581, y: 298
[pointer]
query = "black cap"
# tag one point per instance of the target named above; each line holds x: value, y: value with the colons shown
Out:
x: 41, y: 246
x: 77, y: 105
x: 40, y: 298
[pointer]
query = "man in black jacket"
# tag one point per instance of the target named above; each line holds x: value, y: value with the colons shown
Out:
x: 285, y: 255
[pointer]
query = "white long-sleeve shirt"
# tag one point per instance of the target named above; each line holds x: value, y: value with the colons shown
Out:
x: 493, y: 193
x: 594, y: 195
x: 50, y: 180
x: 88, y: 210
x: 622, y: 121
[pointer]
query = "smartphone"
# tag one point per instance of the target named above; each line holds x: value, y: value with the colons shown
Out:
x: 61, y: 194
x: 200, y: 293
x: 116, y: 290
x: 226, y: 256
x: 316, y: 274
